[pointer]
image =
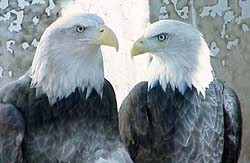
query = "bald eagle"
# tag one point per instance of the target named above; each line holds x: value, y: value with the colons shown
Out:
x: 182, y: 114
x: 63, y: 110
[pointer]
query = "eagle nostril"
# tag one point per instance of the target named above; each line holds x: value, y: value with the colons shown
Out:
x: 102, y: 30
x: 141, y: 42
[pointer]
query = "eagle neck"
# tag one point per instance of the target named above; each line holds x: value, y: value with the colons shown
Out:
x: 58, y: 73
x: 180, y: 73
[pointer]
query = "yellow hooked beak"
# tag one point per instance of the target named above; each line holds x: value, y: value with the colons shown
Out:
x: 138, y: 47
x: 108, y: 37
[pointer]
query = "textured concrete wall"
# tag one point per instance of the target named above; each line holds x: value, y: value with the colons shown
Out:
x: 21, y: 25
x: 225, y: 25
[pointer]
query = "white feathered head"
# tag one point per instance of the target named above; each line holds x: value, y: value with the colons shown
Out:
x: 181, y: 56
x: 68, y: 55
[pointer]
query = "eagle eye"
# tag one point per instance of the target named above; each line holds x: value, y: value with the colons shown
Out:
x: 162, y: 37
x: 80, y: 29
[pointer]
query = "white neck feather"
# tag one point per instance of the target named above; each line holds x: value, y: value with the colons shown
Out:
x: 182, y: 70
x: 59, y: 71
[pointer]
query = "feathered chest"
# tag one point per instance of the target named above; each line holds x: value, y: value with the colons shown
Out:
x: 73, y: 129
x: 186, y: 125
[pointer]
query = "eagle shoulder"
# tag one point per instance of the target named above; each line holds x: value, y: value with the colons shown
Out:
x: 11, y: 134
x: 134, y: 122
x: 232, y: 126
x: 12, y: 123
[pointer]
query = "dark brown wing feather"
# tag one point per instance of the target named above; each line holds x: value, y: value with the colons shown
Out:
x: 12, y: 129
x: 233, y: 127
x: 74, y: 129
x: 160, y: 127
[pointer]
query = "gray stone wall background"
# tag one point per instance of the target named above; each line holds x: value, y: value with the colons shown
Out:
x: 21, y: 25
x: 224, y: 23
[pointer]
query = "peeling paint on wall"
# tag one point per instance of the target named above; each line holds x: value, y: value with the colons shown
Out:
x: 1, y: 72
x: 214, y: 49
x: 214, y: 10
x: 245, y: 28
x: 232, y: 44
x: 22, y: 3
x: 35, y: 43
x: 228, y: 17
x: 25, y: 45
x: 4, y: 4
x: 182, y: 13
x: 50, y: 7
x: 35, y: 20
x: 223, y: 63
x: 36, y: 2
x: 163, y: 13
x: 8, y: 46
x: 16, y: 24
x: 10, y: 73
x: 245, y: 8
x: 22, y: 23
x: 5, y: 17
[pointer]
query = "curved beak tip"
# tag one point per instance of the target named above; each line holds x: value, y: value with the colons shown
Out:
x: 117, y: 47
x: 132, y: 53
x: 137, y: 48
x: 115, y: 44
x: 109, y: 38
